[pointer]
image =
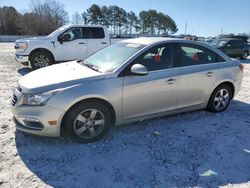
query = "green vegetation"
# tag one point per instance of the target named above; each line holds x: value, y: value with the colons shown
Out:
x: 45, y: 16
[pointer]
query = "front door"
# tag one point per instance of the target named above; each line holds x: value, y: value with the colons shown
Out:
x: 155, y: 92
x: 74, y: 48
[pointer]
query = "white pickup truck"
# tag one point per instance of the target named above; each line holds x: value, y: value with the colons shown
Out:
x: 69, y: 42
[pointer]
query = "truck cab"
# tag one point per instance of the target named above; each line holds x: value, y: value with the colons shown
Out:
x: 69, y: 42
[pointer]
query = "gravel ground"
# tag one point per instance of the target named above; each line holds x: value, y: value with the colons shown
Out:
x: 193, y: 149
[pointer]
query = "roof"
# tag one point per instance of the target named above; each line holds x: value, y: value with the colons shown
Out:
x: 149, y: 40
x: 83, y: 25
x: 229, y: 39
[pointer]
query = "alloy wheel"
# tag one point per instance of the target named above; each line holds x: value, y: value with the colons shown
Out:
x: 89, y: 123
x: 221, y: 99
x: 41, y: 61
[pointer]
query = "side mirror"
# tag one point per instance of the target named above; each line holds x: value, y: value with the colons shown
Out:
x: 64, y: 38
x: 228, y: 45
x: 139, y: 70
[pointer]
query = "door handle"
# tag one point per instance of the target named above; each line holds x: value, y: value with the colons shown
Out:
x: 209, y: 74
x: 104, y: 43
x: 81, y: 43
x: 170, y: 81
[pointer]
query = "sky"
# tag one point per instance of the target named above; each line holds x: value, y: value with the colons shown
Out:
x: 203, y: 17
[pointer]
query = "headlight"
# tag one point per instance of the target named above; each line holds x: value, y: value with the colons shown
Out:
x: 21, y: 46
x: 37, y: 99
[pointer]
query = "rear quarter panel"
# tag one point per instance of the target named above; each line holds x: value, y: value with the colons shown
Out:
x: 230, y: 72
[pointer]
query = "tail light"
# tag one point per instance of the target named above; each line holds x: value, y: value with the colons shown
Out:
x: 241, y: 67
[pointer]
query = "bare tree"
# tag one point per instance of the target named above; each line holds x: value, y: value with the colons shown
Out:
x: 77, y: 18
x: 51, y: 15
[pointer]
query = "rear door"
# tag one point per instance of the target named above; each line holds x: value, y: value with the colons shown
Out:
x: 96, y: 39
x: 155, y: 92
x: 198, y: 73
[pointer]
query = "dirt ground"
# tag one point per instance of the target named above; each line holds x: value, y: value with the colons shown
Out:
x: 198, y: 149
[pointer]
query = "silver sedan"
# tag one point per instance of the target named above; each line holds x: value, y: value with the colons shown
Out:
x: 131, y: 80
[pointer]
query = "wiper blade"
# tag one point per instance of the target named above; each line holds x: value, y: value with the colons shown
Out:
x: 90, y: 66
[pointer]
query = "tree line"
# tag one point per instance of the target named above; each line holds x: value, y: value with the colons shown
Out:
x: 119, y: 21
x: 47, y: 15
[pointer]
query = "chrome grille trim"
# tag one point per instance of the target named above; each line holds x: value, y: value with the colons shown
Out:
x: 14, y: 100
x: 19, y: 89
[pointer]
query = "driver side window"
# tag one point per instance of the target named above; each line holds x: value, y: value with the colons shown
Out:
x: 157, y: 58
x: 72, y: 34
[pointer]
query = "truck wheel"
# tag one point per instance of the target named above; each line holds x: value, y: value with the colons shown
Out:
x: 41, y: 59
x: 220, y: 99
x: 245, y: 55
x: 88, y: 122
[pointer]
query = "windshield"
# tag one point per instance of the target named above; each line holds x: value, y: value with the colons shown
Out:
x: 111, y: 57
x: 58, y: 31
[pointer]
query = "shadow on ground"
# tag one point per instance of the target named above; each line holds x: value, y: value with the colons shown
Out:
x: 193, y: 149
x: 24, y: 70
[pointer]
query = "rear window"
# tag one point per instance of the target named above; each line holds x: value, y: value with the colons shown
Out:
x: 93, y: 33
x: 196, y: 55
x: 236, y: 43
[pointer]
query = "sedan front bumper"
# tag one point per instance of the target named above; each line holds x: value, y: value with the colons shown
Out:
x: 38, y: 120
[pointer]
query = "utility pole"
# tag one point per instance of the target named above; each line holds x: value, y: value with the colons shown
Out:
x: 186, y: 28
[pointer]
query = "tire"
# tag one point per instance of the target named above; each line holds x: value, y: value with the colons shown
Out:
x: 245, y: 55
x: 83, y: 128
x: 41, y: 59
x: 220, y: 99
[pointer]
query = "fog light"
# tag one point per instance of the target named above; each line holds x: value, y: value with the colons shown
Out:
x: 27, y: 119
x: 31, y: 123
x: 30, y: 119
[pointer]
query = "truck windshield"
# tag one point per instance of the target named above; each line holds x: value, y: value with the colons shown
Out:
x: 111, y: 57
x: 58, y: 31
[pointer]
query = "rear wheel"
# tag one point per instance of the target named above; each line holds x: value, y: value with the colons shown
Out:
x: 41, y: 59
x: 88, y: 122
x: 220, y: 99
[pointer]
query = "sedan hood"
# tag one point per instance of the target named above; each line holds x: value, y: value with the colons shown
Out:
x: 57, y: 76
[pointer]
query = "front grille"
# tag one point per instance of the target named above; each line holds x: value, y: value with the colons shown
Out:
x: 16, y: 95
x: 14, y: 100
x: 19, y: 89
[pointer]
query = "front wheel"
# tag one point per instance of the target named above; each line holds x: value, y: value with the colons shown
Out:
x: 220, y: 99
x: 88, y: 122
x: 41, y: 59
